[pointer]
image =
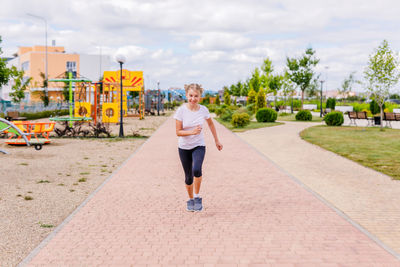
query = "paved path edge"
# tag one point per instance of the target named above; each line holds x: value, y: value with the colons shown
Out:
x: 327, y: 203
x: 42, y: 244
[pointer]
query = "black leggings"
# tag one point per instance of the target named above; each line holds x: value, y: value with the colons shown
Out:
x: 192, y: 161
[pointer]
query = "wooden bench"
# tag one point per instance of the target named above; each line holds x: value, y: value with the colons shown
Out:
x: 14, y: 116
x: 359, y: 115
x: 389, y: 117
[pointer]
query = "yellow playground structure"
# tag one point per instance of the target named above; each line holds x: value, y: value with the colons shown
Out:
x: 101, y: 101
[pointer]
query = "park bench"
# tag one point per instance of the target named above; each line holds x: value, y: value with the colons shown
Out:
x: 359, y: 115
x: 14, y: 116
x: 389, y: 117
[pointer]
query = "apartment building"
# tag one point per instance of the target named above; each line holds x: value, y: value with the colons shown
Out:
x: 33, y: 61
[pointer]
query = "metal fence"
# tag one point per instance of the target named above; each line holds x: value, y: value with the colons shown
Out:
x: 37, y: 107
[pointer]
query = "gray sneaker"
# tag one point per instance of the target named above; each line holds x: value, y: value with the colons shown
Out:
x: 190, y: 205
x: 198, y: 206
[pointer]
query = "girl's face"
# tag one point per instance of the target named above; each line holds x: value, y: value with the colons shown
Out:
x: 193, y: 96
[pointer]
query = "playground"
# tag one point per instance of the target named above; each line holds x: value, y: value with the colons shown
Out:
x: 38, y: 189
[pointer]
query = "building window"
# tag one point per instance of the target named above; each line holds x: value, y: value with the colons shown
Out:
x: 71, y: 67
x: 25, y: 65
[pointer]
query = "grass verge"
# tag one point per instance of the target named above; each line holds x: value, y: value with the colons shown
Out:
x: 292, y: 117
x: 378, y: 150
x: 251, y: 126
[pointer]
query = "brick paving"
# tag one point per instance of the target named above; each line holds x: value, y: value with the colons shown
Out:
x: 368, y: 197
x: 255, y: 215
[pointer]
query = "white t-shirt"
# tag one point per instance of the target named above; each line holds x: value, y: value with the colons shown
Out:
x: 190, y: 119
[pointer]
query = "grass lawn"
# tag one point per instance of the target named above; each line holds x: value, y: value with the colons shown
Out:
x: 379, y: 150
x: 252, y: 125
x: 292, y: 117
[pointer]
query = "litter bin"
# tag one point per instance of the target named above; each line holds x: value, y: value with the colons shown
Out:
x: 377, y: 120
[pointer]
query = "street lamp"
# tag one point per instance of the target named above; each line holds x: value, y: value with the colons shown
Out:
x: 45, y: 24
x: 121, y: 60
x: 158, y: 98
x: 321, y: 99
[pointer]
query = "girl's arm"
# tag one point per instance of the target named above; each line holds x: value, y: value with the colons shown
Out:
x: 181, y: 132
x: 214, y: 133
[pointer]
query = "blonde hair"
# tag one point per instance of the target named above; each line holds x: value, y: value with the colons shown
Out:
x: 194, y: 86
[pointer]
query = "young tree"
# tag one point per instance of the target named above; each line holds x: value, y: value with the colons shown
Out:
x: 251, y: 98
x: 4, y: 71
x: 287, y: 86
x: 301, y: 71
x: 255, y: 80
x: 227, y: 98
x: 260, y: 99
x: 382, y: 74
x: 275, y: 83
x: 234, y: 90
x: 245, y: 89
x: 347, y: 85
x: 45, y: 96
x: 19, y: 85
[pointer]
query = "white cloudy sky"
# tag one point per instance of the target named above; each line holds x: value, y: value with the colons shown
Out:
x: 214, y: 43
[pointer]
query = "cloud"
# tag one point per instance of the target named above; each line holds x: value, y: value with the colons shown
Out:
x: 215, y: 43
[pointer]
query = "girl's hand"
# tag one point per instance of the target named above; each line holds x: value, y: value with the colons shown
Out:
x: 219, y: 145
x: 196, y: 130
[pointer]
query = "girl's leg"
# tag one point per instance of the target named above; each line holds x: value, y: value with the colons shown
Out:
x: 187, y: 162
x: 198, y: 158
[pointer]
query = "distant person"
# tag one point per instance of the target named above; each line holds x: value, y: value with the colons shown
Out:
x: 190, y: 118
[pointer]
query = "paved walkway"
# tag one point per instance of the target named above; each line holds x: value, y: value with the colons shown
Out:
x: 255, y: 214
x: 368, y: 197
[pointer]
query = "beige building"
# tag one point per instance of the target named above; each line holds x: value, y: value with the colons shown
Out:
x: 33, y: 61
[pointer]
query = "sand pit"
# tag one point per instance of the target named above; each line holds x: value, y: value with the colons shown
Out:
x: 39, y: 189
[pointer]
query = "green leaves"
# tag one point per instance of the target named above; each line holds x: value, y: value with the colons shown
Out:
x: 20, y: 84
x: 382, y: 72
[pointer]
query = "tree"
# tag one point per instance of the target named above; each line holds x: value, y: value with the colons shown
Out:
x: 314, y: 88
x: 251, y: 98
x: 382, y: 74
x: 347, y: 85
x: 217, y: 101
x: 245, y: 89
x: 4, y: 71
x: 255, y: 80
x: 301, y: 71
x: 275, y: 83
x: 235, y: 89
x: 260, y: 100
x: 20, y: 84
x: 45, y: 96
x: 227, y: 98
x: 287, y: 86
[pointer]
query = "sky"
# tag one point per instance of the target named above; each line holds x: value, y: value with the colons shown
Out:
x: 213, y: 43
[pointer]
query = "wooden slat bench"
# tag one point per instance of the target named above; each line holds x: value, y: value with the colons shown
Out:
x: 359, y: 115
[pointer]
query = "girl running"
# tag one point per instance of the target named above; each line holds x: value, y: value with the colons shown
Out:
x: 190, y: 118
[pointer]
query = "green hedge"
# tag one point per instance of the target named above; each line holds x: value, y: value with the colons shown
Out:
x: 240, y: 119
x: 334, y: 118
x: 44, y: 114
x: 304, y: 115
x: 266, y: 115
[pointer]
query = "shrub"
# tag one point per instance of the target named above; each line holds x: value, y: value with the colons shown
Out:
x: 374, y: 107
x: 303, y: 115
x: 219, y: 111
x: 212, y: 107
x: 334, y: 118
x: 251, y: 97
x: 369, y: 114
x: 226, y: 115
x: 331, y: 103
x: 260, y: 99
x: 266, y: 115
x: 44, y: 114
x: 240, y: 119
x: 217, y: 101
x: 360, y: 106
x: 251, y: 108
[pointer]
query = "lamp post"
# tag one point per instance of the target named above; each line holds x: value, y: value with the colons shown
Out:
x: 45, y: 66
x: 121, y: 60
x: 321, y: 99
x: 158, y: 98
